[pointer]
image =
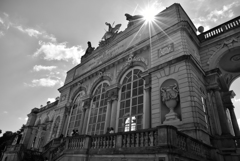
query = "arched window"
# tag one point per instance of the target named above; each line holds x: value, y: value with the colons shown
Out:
x: 76, y: 113
x: 98, y: 110
x: 131, y: 102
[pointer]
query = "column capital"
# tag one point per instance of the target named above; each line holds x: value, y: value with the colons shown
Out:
x: 113, y: 92
x: 147, y: 78
x: 212, y: 79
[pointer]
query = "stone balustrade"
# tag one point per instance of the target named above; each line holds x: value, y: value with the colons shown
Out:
x: 148, y: 141
x: 234, y: 23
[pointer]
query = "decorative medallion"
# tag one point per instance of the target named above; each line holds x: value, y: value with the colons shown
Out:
x: 235, y: 58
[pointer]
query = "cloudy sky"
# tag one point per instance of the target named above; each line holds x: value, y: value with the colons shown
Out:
x: 41, y: 40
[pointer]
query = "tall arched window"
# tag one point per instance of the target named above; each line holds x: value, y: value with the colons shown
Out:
x: 131, y: 102
x: 76, y: 113
x: 98, y: 110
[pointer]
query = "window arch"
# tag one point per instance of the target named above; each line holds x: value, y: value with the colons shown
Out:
x: 131, y: 102
x: 76, y: 113
x: 98, y: 111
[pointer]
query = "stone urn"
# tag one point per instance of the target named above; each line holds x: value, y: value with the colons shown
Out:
x: 170, y: 99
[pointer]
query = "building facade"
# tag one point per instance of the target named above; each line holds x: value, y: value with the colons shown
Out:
x: 164, y: 92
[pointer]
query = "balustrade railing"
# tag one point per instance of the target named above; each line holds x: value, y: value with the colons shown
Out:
x: 139, y: 138
x: 162, y: 136
x: 220, y: 29
x: 76, y: 142
x: 103, y: 141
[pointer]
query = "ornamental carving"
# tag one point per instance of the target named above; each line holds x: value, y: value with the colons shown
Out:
x: 166, y: 50
x: 110, y: 34
x: 170, y: 92
x: 170, y: 99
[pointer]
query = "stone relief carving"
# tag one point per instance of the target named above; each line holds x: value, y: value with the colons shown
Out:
x: 166, y: 50
x: 227, y: 43
x: 170, y: 99
x: 63, y: 97
x: 101, y: 74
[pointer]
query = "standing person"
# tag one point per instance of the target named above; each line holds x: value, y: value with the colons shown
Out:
x: 111, y: 130
x: 73, y: 133
x: 108, y: 130
x: 77, y: 132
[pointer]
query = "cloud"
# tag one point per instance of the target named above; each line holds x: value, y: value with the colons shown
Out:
x: 20, y: 118
x: 51, y: 99
x: 26, y: 118
x: 59, y: 51
x: 1, y: 21
x: 29, y: 31
x: 5, y: 112
x: 1, y: 33
x: 226, y: 11
x: 40, y: 67
x: 43, y: 82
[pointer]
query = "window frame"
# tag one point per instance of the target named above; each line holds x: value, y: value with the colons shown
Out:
x: 130, y: 111
x: 91, y: 107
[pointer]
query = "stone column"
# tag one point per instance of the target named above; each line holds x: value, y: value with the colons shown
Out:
x: 86, y: 106
x: 114, y: 113
x: 108, y: 114
x: 227, y: 96
x: 234, y: 120
x: 82, y: 120
x: 221, y: 113
x: 114, y: 98
x: 147, y: 101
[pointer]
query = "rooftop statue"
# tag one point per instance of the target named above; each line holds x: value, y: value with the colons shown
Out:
x: 89, y: 50
x: 132, y: 19
x: 111, y: 31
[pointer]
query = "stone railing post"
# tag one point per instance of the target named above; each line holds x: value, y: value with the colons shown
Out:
x: 67, y: 142
x: 167, y: 135
x: 87, y: 142
x: 119, y: 141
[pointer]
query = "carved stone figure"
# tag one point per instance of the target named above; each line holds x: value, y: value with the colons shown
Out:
x: 132, y: 19
x: 170, y: 99
x: 89, y: 49
x: 111, y: 31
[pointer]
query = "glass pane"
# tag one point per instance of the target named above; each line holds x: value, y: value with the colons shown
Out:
x: 140, y: 108
x: 122, y: 105
x: 140, y: 90
x: 135, y: 77
x: 128, y: 103
x: 127, y: 110
x: 125, y: 80
x: 129, y: 86
x: 134, y: 110
x: 134, y: 92
x: 135, y: 84
x: 123, y: 96
x: 140, y: 100
x: 134, y: 101
x: 140, y: 82
x: 121, y: 113
x: 129, y: 74
x: 128, y: 95
x: 123, y: 88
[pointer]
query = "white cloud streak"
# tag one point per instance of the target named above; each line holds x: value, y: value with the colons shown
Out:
x: 236, y: 100
x: 40, y: 68
x: 5, y: 112
x: 43, y: 82
x: 54, y: 51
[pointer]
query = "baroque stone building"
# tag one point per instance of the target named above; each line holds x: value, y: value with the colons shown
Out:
x: 164, y: 91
